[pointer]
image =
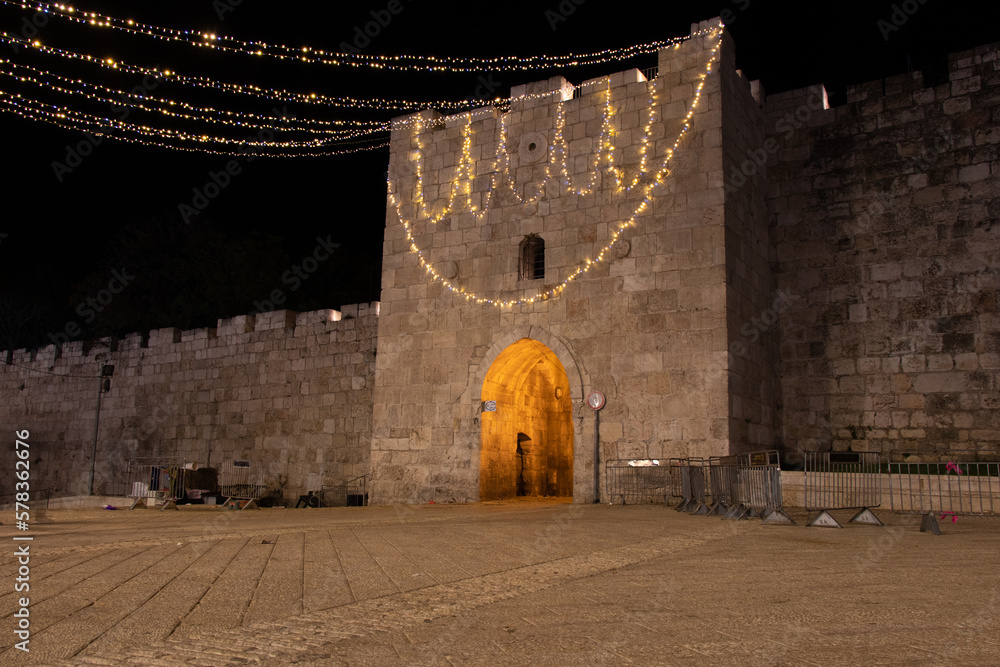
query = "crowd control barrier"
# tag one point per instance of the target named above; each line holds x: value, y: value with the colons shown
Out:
x: 842, y: 480
x: 159, y: 480
x: 691, y: 490
x: 723, y: 484
x: 942, y: 484
x: 759, y: 480
x: 241, y: 482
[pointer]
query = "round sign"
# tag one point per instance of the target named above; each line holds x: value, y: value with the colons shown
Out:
x: 596, y: 400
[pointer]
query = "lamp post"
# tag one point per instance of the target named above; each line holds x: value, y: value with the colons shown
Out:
x: 595, y: 401
x: 103, y: 386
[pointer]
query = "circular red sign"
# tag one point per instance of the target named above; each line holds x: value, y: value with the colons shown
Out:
x: 595, y: 401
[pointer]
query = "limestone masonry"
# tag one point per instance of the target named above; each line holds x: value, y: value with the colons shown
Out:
x: 794, y: 276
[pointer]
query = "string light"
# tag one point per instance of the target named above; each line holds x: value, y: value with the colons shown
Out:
x: 122, y: 125
x: 329, y: 128
x: 588, y: 263
x: 644, y: 145
x: 332, y: 134
x: 270, y: 94
x: 503, y: 156
x: 151, y: 103
x: 78, y: 121
x: 464, y: 167
x: 307, y: 54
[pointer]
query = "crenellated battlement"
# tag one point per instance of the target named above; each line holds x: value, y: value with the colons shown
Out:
x: 290, y: 390
x: 288, y: 321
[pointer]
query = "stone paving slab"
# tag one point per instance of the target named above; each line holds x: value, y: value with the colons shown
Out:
x: 533, y: 581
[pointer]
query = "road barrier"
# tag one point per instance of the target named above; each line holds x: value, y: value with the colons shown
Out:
x: 352, y: 493
x: 842, y: 480
x: 943, y: 484
x: 241, y: 482
x: 723, y: 483
x: 759, y: 475
x: 691, y: 473
x: 162, y: 481
x: 637, y: 481
x: 740, y: 486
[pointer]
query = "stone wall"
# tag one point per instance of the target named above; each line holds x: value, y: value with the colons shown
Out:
x: 884, y: 217
x: 750, y: 282
x: 801, y: 278
x: 290, y: 390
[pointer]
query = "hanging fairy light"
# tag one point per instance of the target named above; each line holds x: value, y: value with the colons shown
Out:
x: 332, y: 136
x: 270, y: 94
x: 152, y: 104
x: 79, y: 121
x: 428, y: 63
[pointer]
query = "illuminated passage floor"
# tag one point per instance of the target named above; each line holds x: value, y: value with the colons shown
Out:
x: 520, y: 582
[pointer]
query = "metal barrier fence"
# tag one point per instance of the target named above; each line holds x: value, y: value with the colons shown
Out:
x: 724, y: 483
x: 760, y: 488
x: 692, y: 484
x: 940, y: 483
x: 352, y: 493
x: 740, y: 486
x: 241, y: 480
x: 842, y: 480
x: 637, y: 481
x: 678, y: 489
x: 162, y: 481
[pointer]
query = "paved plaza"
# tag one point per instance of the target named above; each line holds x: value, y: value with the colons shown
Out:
x: 507, y: 583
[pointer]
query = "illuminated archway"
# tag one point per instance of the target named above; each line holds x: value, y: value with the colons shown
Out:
x: 527, y: 441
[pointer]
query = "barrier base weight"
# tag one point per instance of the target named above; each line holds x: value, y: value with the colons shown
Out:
x: 736, y: 513
x: 717, y: 509
x: 824, y: 520
x: 776, y: 517
x: 928, y: 524
x: 868, y: 517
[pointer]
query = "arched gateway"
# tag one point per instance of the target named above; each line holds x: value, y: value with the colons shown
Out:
x: 527, y: 425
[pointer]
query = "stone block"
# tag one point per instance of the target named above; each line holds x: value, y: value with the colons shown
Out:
x: 973, y: 173
x: 929, y: 383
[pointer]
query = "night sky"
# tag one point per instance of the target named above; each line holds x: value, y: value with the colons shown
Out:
x: 67, y: 231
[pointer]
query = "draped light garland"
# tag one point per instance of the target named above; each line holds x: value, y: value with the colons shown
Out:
x: 151, y: 103
x: 77, y: 121
x: 655, y: 180
x: 465, y: 166
x: 36, y: 110
x: 308, y: 54
x: 269, y: 94
x: 91, y: 120
x: 333, y: 136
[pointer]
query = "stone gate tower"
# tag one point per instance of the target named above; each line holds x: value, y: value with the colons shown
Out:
x: 581, y: 241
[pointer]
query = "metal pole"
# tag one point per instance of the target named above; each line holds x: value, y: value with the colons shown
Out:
x: 97, y: 422
x: 597, y: 456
